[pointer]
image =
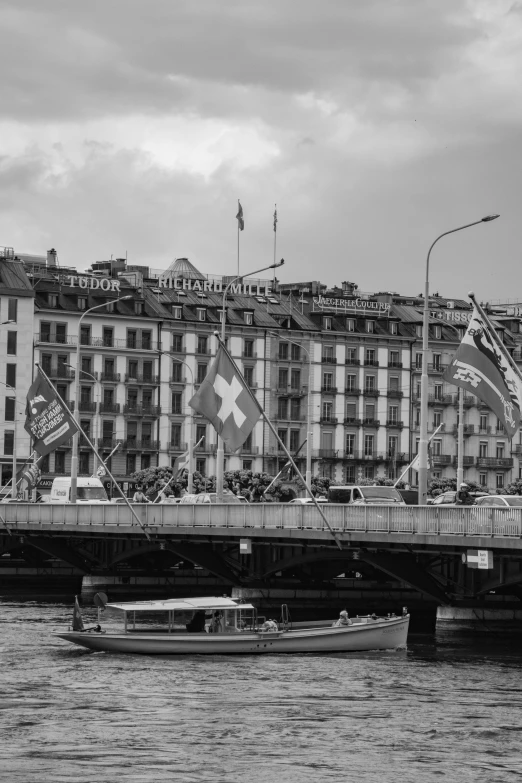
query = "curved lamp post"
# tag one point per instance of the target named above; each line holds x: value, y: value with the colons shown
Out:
x: 423, y: 441
x: 220, y: 456
x: 308, y: 475
x: 75, y: 443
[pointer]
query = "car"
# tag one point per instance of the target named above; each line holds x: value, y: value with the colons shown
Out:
x: 503, y: 501
x: 449, y: 498
x: 304, y: 501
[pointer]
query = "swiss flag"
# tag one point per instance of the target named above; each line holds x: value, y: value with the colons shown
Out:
x: 223, y: 398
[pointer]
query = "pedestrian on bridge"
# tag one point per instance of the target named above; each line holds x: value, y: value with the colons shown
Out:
x: 463, y: 498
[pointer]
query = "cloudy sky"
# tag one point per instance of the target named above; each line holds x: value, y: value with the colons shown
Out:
x: 133, y: 126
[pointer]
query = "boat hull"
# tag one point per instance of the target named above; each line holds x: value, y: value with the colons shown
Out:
x: 373, y: 635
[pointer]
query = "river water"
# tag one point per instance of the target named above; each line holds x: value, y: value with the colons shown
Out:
x: 450, y: 705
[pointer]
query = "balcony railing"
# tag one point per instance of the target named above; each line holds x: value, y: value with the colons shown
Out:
x: 395, y: 365
x: 394, y: 423
x: 353, y: 362
x: 86, y: 406
x: 329, y: 389
x: 175, y: 445
x: 368, y: 422
x: 469, y: 429
x: 494, y: 462
x: 133, y: 444
x: 141, y: 410
x: 352, y: 392
x: 326, y: 453
x: 108, y: 443
x: 371, y: 362
x: 328, y: 360
x: 467, y: 461
x: 352, y: 421
x: 371, y: 392
x: 63, y: 373
x: 395, y: 394
x: 364, y: 456
x: 110, y: 377
x: 436, y: 368
x: 54, y: 339
x: 109, y: 407
x: 177, y: 379
x: 139, y: 344
x: 140, y: 378
x: 441, y: 459
x: 328, y: 420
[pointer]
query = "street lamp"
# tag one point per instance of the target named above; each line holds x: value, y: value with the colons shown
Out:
x: 190, y: 477
x: 308, y: 475
x: 75, y: 443
x: 423, y: 441
x: 220, y: 456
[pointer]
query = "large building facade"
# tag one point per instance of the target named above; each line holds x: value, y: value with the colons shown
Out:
x: 350, y: 361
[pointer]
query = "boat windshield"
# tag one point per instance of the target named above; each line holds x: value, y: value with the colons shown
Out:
x: 91, y: 493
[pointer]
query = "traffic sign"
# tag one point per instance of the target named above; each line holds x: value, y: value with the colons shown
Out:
x: 478, y: 558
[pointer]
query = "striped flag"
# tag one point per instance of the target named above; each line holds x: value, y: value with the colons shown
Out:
x: 183, y: 461
x: 481, y: 366
x: 239, y: 216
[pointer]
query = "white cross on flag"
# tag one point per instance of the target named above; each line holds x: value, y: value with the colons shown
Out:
x: 224, y: 399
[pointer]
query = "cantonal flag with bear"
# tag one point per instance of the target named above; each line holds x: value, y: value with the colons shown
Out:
x: 481, y: 367
x: 224, y: 399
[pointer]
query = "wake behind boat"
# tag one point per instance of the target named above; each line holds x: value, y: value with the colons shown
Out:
x: 222, y: 626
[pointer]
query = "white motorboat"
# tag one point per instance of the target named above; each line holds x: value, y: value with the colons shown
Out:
x: 222, y: 626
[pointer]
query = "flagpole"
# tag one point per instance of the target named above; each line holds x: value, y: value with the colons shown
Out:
x: 493, y: 331
x: 274, y: 431
x: 275, y: 240
x: 39, y: 369
x: 238, y: 208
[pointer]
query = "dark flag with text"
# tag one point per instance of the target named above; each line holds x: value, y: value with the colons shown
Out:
x: 48, y: 420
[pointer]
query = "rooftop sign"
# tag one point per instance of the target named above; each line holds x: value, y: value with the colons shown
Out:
x: 180, y: 283
x: 453, y: 316
x: 352, y: 306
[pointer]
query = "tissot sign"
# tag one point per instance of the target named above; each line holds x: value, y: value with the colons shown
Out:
x: 358, y: 305
x: 453, y: 316
x: 215, y: 286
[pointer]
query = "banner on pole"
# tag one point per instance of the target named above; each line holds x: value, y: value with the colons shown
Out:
x: 48, y: 420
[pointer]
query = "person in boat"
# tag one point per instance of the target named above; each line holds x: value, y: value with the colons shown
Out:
x: 216, y: 625
x: 270, y: 625
x: 343, y: 619
x: 197, y: 624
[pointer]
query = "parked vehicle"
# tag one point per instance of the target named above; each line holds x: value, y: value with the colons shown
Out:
x: 449, y: 498
x: 503, y: 501
x: 89, y: 490
x: 359, y: 495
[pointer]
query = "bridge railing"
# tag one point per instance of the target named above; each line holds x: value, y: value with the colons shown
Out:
x: 421, y: 520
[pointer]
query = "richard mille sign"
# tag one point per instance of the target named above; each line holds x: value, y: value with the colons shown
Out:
x: 180, y: 283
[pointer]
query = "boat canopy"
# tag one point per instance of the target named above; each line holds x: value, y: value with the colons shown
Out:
x: 181, y: 605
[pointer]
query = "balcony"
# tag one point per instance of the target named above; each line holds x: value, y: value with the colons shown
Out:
x: 466, y: 461
x: 433, y: 369
x: 326, y: 453
x: 110, y: 377
x: 252, y: 451
x: 121, y: 343
x: 353, y: 422
x: 495, y: 462
x: 371, y: 362
x: 434, y: 399
x: 395, y: 365
x: 352, y: 362
x: 371, y: 423
x: 329, y: 389
x: 152, y: 380
x: 352, y: 392
x: 53, y: 339
x: 133, y: 444
x: 364, y: 456
x: 371, y: 392
x: 441, y: 459
x: 395, y: 394
x: 327, y: 420
x: 63, y: 373
x: 328, y: 360
x: 86, y: 406
x: 110, y: 407
x: 517, y: 451
x: 249, y: 355
x: 484, y: 431
x: 469, y: 429
x: 177, y: 379
x: 108, y: 442
x: 393, y: 423
x: 176, y: 445
x: 141, y: 410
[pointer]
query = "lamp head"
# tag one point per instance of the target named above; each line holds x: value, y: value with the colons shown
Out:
x: 123, y: 298
x: 489, y: 217
x: 278, y: 263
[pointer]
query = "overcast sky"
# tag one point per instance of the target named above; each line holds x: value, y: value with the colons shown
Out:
x: 133, y: 126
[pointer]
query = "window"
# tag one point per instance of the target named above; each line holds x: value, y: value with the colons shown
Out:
x: 393, y: 414
x: 393, y: 360
x: 249, y: 319
x: 436, y: 447
x: 175, y: 436
x: 369, y: 383
x: 483, y: 426
x: 483, y: 449
x: 201, y: 372
x: 202, y: 346
x: 281, y: 434
x: 349, y: 443
x: 282, y: 377
x: 393, y: 383
x: 85, y: 393
x: 52, y: 300
x: 370, y: 357
x: 10, y: 375
x: 483, y: 479
x: 247, y: 445
x: 418, y: 330
x: 327, y: 411
x: 11, y: 343
x: 146, y: 340
x: 369, y: 445
x: 295, y: 352
x: 499, y: 480
x: 370, y: 327
x: 176, y: 312
x: 108, y: 336
x: 327, y: 323
x: 418, y: 361
x: 294, y: 440
x: 350, y: 324
x: 500, y: 426
x: 394, y: 327
x: 9, y: 409
x: 351, y: 356
x: 131, y: 464
x: 369, y: 411
x: 86, y: 363
x: 351, y: 410
x: 369, y: 472
x: 8, y: 442
x: 295, y: 409
x: 138, y: 308
x: 46, y: 361
x: 145, y: 461
x: 328, y: 353
x: 437, y: 391
x: 146, y: 398
x: 437, y: 332
x: 282, y: 408
x: 132, y: 432
x: 327, y: 381
x: 248, y: 373
x: 147, y: 372
x: 177, y: 343
x: 176, y: 402
x: 201, y: 466
x: 108, y: 399
x: 59, y: 461
x: 61, y: 333
x: 283, y: 350
x: 202, y: 314
x: 350, y: 474
x: 247, y: 464
x: 176, y: 372
x: 500, y: 450
x: 44, y: 464
x: 12, y: 310
x: 201, y: 435
x: 436, y: 360
x: 82, y: 303
x: 295, y: 380
x: 83, y: 462
x: 393, y: 445
x: 45, y: 332
x: 437, y: 418
x: 351, y: 382
x: 248, y: 349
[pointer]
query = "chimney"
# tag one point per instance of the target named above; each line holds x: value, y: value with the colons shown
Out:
x: 52, y: 257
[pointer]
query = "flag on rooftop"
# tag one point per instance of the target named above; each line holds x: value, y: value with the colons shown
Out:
x: 48, y: 420
x: 481, y: 367
x: 224, y: 399
x: 239, y: 216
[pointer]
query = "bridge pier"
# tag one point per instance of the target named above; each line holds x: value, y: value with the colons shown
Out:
x: 479, y: 618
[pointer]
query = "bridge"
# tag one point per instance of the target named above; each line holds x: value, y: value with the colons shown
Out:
x: 368, y: 557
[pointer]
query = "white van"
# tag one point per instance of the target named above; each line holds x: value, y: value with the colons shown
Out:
x: 359, y: 495
x: 89, y: 490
